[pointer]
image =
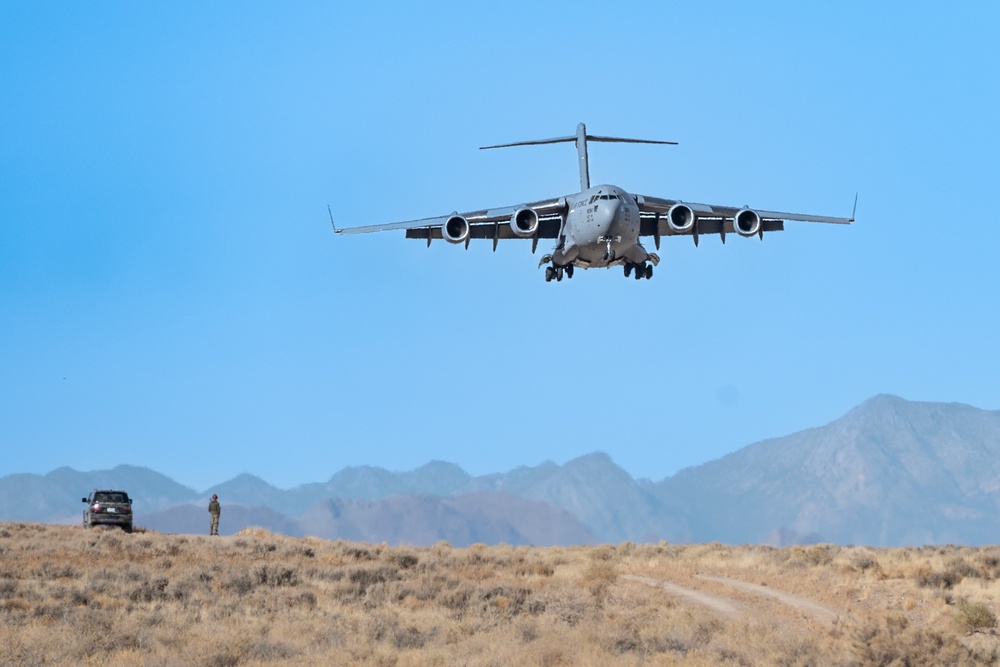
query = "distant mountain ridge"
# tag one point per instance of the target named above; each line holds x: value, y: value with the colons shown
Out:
x: 889, y: 472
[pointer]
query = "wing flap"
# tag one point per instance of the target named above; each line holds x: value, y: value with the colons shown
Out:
x: 548, y: 228
x: 712, y: 219
x: 479, y: 222
x: 650, y: 226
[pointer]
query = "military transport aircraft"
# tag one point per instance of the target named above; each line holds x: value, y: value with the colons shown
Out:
x: 598, y: 227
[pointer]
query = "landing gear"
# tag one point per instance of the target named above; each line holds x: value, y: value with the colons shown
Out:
x: 641, y: 270
x: 556, y: 272
x: 609, y: 254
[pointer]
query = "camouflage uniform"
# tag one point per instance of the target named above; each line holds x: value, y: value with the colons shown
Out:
x: 214, y: 509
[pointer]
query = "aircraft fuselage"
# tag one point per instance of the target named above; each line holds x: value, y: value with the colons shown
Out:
x: 601, y: 229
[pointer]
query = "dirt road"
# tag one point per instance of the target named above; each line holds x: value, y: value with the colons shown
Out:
x: 730, y: 607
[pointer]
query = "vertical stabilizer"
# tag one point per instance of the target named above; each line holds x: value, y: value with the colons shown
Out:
x: 581, y: 140
x: 581, y: 151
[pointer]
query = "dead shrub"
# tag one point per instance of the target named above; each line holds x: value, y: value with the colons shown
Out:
x: 403, y: 560
x: 240, y: 585
x: 569, y: 606
x: 622, y: 638
x: 408, y: 638
x: 817, y: 555
x: 892, y: 640
x: 150, y: 590
x: 940, y: 580
x: 605, y: 552
x: 275, y: 575
x: 326, y: 574
x: 989, y: 564
x: 305, y: 599
x: 7, y: 589
x: 356, y: 552
x: 598, y: 578
x: 458, y: 598
x: 365, y: 577
x: 268, y: 651
x: 262, y: 549
x: 535, y: 568
x: 865, y: 562
x: 505, y: 599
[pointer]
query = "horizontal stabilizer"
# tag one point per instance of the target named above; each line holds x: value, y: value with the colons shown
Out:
x: 581, y: 138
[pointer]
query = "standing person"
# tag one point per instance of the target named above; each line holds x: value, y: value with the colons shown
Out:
x: 215, y: 510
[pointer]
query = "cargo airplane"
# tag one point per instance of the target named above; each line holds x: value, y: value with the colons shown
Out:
x: 600, y: 226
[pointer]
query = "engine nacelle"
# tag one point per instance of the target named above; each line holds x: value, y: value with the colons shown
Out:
x: 524, y: 222
x: 746, y: 222
x: 680, y: 218
x: 455, y: 229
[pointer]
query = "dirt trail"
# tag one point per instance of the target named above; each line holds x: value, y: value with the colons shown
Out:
x: 804, y: 605
x: 718, y: 604
x: 728, y: 607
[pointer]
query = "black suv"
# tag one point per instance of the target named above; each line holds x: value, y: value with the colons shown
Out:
x: 112, y: 508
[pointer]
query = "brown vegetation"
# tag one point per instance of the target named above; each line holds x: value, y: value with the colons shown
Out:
x: 73, y: 596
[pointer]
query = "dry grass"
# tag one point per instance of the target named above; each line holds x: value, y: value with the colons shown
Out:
x: 103, y: 597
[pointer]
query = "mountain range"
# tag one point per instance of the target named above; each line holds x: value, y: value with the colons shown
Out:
x: 890, y: 472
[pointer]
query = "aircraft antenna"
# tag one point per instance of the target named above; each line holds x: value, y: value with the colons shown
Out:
x: 580, y: 139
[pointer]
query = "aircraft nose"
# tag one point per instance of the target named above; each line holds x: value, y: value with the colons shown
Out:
x: 608, y: 211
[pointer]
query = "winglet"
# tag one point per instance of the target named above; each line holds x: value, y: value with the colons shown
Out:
x: 335, y: 230
x: 855, y: 209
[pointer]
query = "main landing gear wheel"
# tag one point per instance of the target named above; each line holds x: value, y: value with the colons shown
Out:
x: 641, y: 271
x: 556, y: 272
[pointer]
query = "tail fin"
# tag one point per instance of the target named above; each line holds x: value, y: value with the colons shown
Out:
x: 581, y: 138
x: 335, y: 230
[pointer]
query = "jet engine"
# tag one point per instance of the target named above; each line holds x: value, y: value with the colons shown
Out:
x: 680, y: 218
x: 455, y: 229
x: 746, y: 222
x: 524, y: 222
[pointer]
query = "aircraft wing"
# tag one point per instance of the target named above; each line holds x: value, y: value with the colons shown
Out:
x: 656, y: 216
x: 494, y: 223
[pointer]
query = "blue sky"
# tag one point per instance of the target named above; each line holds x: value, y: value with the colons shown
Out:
x: 171, y: 294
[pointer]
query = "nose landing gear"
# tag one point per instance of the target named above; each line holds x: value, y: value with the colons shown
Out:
x: 609, y: 253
